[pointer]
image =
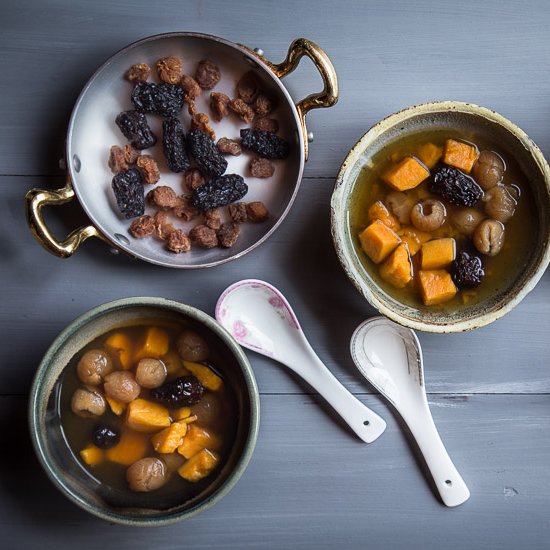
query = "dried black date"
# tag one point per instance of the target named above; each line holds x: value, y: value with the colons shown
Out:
x: 128, y: 189
x: 467, y: 271
x: 105, y: 436
x: 173, y: 145
x: 136, y: 130
x: 206, y: 154
x: 185, y: 390
x: 455, y: 186
x: 159, y: 99
x: 266, y: 144
x: 220, y: 191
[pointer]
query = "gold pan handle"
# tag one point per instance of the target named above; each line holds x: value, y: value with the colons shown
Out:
x: 327, y: 97
x: 37, y: 198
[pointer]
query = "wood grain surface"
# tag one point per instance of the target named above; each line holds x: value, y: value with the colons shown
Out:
x: 311, y: 483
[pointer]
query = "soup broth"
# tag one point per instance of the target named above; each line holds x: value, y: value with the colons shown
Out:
x: 213, y: 412
x: 500, y: 270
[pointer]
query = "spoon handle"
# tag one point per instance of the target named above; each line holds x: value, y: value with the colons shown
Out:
x: 362, y: 420
x: 449, y: 483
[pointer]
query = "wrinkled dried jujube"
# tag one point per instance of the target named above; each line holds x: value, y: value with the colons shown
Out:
x: 209, y: 160
x: 159, y: 99
x: 174, y: 145
x: 220, y: 191
x: 136, y: 130
x: 128, y: 189
x: 266, y: 144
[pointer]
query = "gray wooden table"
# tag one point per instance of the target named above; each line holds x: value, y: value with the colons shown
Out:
x: 311, y: 483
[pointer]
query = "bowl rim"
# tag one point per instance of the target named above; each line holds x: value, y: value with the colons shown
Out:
x: 37, y: 396
x: 337, y: 214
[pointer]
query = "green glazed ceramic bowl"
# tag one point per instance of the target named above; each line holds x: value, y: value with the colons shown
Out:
x: 443, y: 115
x: 52, y: 450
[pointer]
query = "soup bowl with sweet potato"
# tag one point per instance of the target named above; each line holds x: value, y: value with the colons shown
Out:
x: 144, y: 412
x: 440, y: 216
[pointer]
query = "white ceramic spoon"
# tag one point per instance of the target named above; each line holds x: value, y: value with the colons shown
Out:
x: 260, y: 318
x: 390, y: 357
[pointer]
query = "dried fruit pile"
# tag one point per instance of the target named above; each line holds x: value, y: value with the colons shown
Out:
x: 207, y: 188
x: 441, y: 210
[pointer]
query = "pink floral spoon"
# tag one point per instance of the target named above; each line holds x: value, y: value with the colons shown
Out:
x: 260, y: 318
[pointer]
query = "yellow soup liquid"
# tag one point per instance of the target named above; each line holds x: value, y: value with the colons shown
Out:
x: 500, y: 270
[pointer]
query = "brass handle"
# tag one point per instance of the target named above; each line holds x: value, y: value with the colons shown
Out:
x: 35, y: 200
x: 327, y: 97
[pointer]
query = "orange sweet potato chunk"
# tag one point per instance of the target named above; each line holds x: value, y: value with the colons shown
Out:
x: 118, y: 407
x: 131, y: 448
x: 378, y: 211
x: 169, y: 439
x: 155, y: 344
x: 460, y: 155
x: 436, y: 287
x: 438, y: 253
x: 378, y: 241
x: 199, y: 466
x: 407, y: 174
x: 120, y: 348
x: 196, y: 440
x: 181, y: 413
x: 173, y: 363
x: 414, y: 238
x: 397, y: 269
x: 206, y: 376
x: 430, y: 154
x: 92, y: 455
x: 146, y: 416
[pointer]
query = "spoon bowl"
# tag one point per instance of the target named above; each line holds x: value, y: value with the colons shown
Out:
x: 260, y: 318
x: 389, y: 356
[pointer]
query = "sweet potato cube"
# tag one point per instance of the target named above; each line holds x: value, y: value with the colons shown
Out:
x: 378, y: 211
x: 120, y: 347
x: 436, y: 287
x: 131, y: 447
x: 196, y: 440
x: 118, y: 407
x: 173, y: 363
x: 92, y: 455
x: 169, y: 439
x: 155, y: 344
x: 146, y: 416
x: 460, y: 155
x: 378, y: 241
x: 181, y: 413
x: 412, y: 242
x: 205, y: 375
x: 430, y: 154
x: 407, y: 174
x: 199, y: 466
x: 414, y: 238
x: 438, y: 253
x: 397, y: 269
x: 189, y: 419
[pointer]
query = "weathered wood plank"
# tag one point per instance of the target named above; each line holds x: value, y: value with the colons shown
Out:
x: 46, y: 293
x: 312, y: 484
x: 388, y: 55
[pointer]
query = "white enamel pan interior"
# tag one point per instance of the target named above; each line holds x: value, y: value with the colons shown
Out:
x: 92, y: 131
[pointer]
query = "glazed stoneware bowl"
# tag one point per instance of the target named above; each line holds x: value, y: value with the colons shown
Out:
x: 470, y: 119
x: 47, y: 436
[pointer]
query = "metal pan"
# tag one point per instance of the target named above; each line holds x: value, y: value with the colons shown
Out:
x: 92, y: 131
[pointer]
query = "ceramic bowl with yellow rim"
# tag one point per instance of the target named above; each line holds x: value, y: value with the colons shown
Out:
x: 455, y: 118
